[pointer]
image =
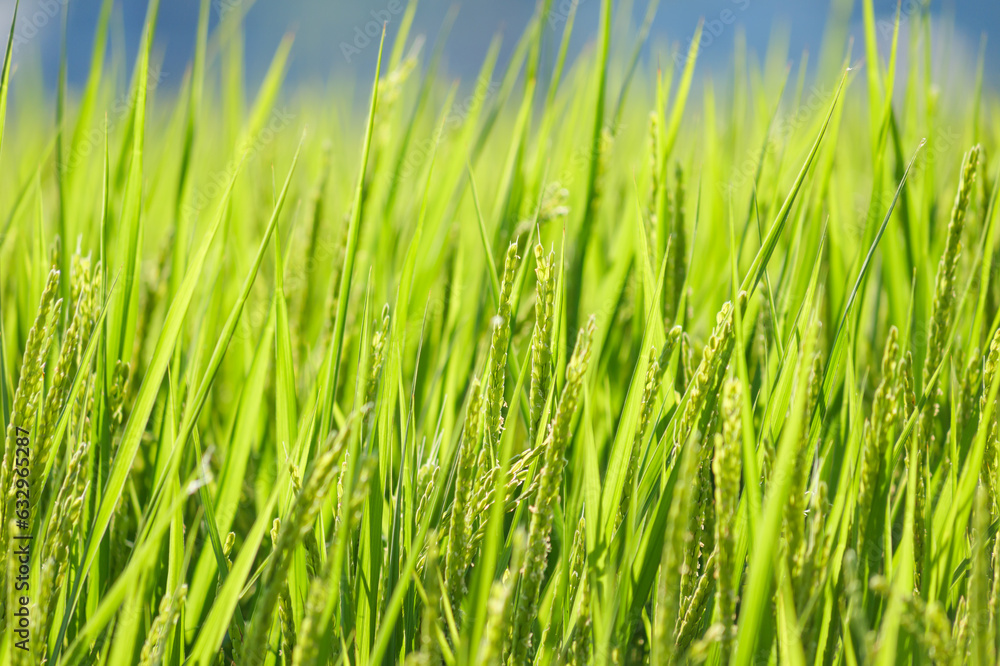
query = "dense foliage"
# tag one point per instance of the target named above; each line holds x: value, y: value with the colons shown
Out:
x: 558, y: 366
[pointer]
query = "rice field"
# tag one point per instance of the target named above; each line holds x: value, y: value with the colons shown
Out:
x: 598, y: 358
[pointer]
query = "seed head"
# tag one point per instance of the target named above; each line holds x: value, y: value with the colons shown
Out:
x: 707, y: 378
x: 654, y: 379
x: 550, y: 480
x: 156, y: 644
x: 286, y: 535
x: 991, y: 456
x: 455, y: 556
x: 498, y: 348
x: 944, y: 291
x: 677, y: 259
x: 876, y: 434
x: 726, y: 466
x: 668, y: 599
x: 29, y: 386
x: 541, y: 339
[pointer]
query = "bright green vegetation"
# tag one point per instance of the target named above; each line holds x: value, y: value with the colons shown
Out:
x: 559, y: 367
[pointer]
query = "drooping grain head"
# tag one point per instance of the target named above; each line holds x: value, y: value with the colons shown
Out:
x: 65, y: 368
x: 501, y: 604
x: 285, y: 535
x: 983, y: 647
x: 377, y: 359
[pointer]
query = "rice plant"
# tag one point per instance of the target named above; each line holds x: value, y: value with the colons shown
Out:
x: 595, y: 359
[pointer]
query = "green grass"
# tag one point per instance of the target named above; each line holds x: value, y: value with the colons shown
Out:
x: 587, y: 361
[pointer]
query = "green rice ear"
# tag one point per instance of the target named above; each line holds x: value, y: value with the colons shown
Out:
x: 726, y: 466
x: 943, y: 309
x: 547, y: 496
x: 806, y: 474
x: 156, y: 640
x: 498, y: 349
x: 668, y: 595
x: 26, y: 401
x: 541, y: 339
x: 458, y: 554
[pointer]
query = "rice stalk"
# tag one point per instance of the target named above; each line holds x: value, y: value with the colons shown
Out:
x: 707, y: 378
x: 155, y: 647
x: 24, y: 406
x: 541, y: 339
x: 550, y: 480
x: 877, y: 436
x: 654, y: 377
x: 498, y: 349
x: 727, y: 466
x: 943, y: 307
x: 677, y: 253
x: 301, y: 516
x: 501, y: 605
x: 668, y: 597
x: 458, y: 554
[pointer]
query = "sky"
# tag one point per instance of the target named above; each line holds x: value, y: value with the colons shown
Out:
x: 332, y: 37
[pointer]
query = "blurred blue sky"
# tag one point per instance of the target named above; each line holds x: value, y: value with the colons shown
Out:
x: 330, y: 40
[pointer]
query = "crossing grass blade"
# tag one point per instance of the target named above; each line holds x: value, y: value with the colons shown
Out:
x: 143, y: 406
x: 350, y: 255
x: 5, y: 76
